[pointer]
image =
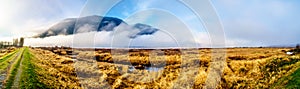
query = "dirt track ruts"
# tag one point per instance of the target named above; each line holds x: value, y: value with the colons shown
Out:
x: 18, y: 76
x: 4, y: 74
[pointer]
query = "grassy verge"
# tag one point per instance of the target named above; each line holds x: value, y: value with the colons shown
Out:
x: 13, y: 71
x: 52, y: 71
x: 28, y: 77
x: 7, y: 56
x: 294, y: 83
x: 291, y: 80
x: 5, y: 60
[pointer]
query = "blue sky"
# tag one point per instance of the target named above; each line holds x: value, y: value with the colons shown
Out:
x: 269, y: 22
x: 245, y: 22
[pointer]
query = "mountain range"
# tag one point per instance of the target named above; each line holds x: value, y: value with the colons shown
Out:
x: 71, y: 26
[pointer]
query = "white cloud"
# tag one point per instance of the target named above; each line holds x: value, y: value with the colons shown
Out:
x: 49, y: 41
x: 174, y: 31
x: 105, y: 39
x: 168, y: 36
x: 145, y: 4
x: 29, y: 17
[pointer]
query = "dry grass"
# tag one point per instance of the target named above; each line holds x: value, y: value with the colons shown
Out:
x: 53, y: 70
x: 249, y: 68
x: 244, y: 68
x: 6, y: 51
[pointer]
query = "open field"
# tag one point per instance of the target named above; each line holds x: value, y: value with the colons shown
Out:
x: 148, y: 68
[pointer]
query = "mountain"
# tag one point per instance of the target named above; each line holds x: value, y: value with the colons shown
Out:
x: 93, y: 23
x: 143, y: 30
x: 80, y: 25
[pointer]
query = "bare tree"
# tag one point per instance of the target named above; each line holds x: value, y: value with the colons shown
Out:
x: 298, y: 46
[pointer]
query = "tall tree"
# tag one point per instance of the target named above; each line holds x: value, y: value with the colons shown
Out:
x: 15, y: 42
x: 21, y: 42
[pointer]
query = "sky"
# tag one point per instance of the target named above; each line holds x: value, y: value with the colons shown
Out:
x: 245, y: 22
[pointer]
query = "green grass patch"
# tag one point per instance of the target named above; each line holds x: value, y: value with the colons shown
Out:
x: 290, y: 80
x: 277, y: 64
x: 5, y: 60
x: 28, y: 77
x: 7, y: 56
x: 294, y: 83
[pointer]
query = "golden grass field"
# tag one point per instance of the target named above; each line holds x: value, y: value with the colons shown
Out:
x: 186, y: 68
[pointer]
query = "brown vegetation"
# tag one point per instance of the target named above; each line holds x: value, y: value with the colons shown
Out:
x: 54, y: 71
x: 244, y: 68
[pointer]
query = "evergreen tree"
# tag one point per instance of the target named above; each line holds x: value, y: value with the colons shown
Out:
x: 21, y: 42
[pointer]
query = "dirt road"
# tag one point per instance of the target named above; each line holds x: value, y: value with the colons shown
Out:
x: 12, y: 63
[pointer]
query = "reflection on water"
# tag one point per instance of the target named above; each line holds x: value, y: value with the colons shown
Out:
x: 151, y: 69
x: 154, y: 68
